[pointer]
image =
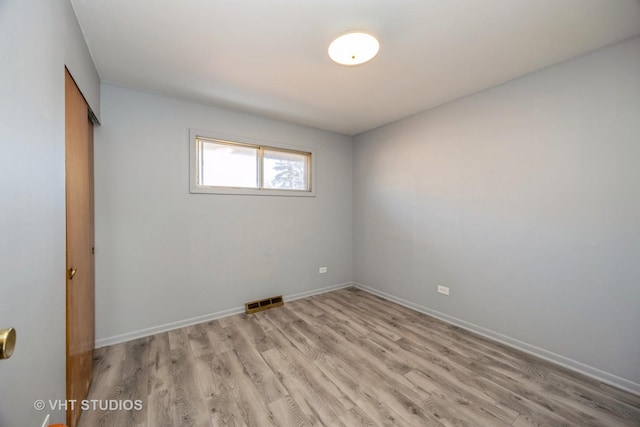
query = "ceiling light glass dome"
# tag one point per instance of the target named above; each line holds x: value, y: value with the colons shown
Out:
x: 354, y: 48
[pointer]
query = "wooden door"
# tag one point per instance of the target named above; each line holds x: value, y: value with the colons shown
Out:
x: 80, y: 243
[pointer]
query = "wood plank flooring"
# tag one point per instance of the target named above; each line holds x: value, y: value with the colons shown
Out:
x: 344, y: 358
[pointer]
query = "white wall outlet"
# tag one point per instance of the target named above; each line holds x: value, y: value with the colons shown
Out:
x: 322, y: 270
x: 443, y: 290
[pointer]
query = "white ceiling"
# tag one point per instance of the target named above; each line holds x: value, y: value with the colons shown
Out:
x: 269, y: 57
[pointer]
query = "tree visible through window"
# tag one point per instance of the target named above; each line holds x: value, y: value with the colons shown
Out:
x: 285, y: 170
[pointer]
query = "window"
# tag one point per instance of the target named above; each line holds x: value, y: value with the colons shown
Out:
x: 231, y: 165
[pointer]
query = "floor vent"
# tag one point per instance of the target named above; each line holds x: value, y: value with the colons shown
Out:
x: 263, y: 304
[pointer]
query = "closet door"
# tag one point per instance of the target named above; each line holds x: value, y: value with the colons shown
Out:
x: 80, y: 244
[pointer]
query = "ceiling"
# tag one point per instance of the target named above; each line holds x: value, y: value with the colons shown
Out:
x: 269, y: 57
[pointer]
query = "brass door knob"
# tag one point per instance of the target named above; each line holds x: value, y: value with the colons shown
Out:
x: 7, y: 342
x: 72, y: 272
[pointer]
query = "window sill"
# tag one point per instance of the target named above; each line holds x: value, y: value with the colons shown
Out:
x: 250, y: 192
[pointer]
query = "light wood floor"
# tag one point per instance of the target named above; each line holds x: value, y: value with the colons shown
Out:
x: 345, y: 358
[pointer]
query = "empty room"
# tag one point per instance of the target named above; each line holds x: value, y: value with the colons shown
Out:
x: 319, y: 213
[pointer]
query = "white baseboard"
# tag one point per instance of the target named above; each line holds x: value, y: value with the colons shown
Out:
x: 306, y: 294
x: 558, y: 359
x: 141, y: 333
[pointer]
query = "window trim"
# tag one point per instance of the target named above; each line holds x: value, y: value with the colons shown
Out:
x: 194, y: 167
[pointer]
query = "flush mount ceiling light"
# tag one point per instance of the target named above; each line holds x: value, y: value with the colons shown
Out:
x: 353, y: 48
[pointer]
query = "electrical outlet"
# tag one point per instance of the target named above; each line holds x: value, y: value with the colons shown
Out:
x: 322, y: 270
x: 443, y: 290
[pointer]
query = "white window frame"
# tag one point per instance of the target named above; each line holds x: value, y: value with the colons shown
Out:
x: 194, y: 162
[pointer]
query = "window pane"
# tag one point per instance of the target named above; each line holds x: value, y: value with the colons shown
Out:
x: 286, y: 170
x: 225, y: 165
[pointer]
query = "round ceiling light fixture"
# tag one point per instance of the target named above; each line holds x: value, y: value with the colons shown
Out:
x: 354, y: 48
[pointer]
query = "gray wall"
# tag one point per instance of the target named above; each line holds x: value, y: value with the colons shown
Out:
x: 165, y: 256
x: 33, y: 49
x: 523, y: 199
x: 77, y: 57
